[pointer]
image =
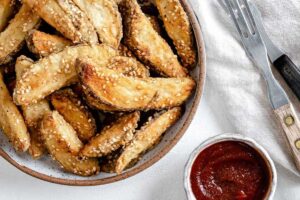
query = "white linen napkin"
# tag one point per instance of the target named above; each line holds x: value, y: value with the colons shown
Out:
x: 234, y: 85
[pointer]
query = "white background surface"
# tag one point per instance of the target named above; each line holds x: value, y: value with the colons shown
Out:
x: 162, y: 181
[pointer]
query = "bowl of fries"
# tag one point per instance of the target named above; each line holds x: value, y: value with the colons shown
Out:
x: 92, y: 92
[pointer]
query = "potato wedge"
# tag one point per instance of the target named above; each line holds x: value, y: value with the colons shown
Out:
x: 179, y: 29
x: 43, y: 44
x: 56, y: 71
x: 70, y: 106
x: 131, y: 93
x: 112, y: 137
x: 124, y: 65
x: 146, y: 43
x: 32, y: 113
x: 13, y: 37
x: 61, y: 131
x: 67, y: 18
x: 6, y: 10
x: 11, y: 120
x: 146, y: 137
x: 64, y: 145
x: 105, y: 17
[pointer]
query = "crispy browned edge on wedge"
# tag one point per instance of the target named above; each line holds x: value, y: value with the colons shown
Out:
x: 105, y: 17
x: 146, y: 137
x: 112, y: 136
x: 32, y: 113
x: 57, y: 70
x: 131, y: 93
x: 43, y: 44
x: 64, y: 146
x: 11, y: 120
x: 124, y: 65
x: 67, y: 18
x: 6, y: 10
x: 95, y: 103
x: 75, y: 112
x: 179, y: 29
x: 146, y: 43
x: 13, y: 37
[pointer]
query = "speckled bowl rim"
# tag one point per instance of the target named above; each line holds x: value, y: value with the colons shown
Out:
x: 166, y: 149
x: 230, y: 137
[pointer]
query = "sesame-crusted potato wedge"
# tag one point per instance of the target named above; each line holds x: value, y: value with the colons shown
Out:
x: 132, y: 93
x: 63, y: 145
x: 146, y: 137
x: 11, y: 120
x: 105, y: 17
x: 56, y: 71
x: 62, y: 131
x: 124, y: 65
x: 32, y: 113
x: 67, y: 18
x: 13, y: 37
x: 178, y: 28
x: 112, y: 136
x: 146, y: 43
x: 6, y: 10
x: 43, y: 44
x: 70, y: 106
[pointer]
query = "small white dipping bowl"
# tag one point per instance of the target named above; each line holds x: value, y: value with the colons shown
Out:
x: 231, y: 137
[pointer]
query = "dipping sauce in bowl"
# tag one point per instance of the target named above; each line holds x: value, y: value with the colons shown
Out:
x: 230, y: 169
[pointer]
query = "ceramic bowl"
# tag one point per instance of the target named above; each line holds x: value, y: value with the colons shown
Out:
x: 48, y: 170
x: 231, y: 137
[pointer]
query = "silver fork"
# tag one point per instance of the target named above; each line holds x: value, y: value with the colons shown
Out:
x: 241, y: 13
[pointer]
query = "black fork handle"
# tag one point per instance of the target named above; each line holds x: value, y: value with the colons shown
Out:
x: 290, y: 73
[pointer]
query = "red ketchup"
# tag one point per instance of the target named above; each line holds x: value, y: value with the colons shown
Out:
x: 229, y: 171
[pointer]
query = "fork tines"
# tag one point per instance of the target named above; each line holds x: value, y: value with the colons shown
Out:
x: 242, y: 16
